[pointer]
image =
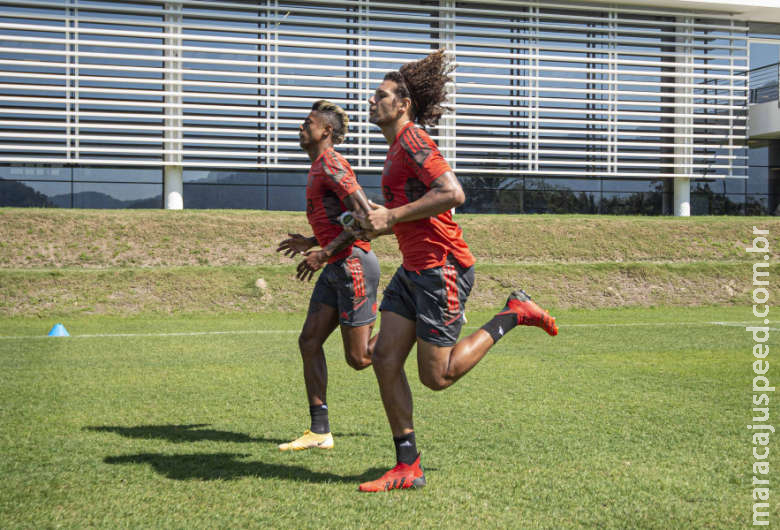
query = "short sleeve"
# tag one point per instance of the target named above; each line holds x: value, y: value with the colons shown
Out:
x: 427, y: 161
x: 339, y: 175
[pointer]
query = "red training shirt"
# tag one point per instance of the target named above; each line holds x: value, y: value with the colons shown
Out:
x: 331, y: 179
x: 413, y: 163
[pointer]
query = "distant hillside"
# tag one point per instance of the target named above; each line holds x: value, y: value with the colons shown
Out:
x: 17, y: 194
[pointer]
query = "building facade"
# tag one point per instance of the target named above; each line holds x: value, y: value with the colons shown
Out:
x: 636, y: 107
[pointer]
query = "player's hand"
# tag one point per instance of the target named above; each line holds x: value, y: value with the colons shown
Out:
x: 368, y: 235
x: 357, y: 231
x: 312, y: 262
x: 294, y: 245
x: 379, y: 219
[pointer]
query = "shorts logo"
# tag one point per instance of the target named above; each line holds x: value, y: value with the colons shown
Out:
x: 451, y: 286
x: 356, y: 272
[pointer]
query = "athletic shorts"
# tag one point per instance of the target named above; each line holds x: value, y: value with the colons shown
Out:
x: 434, y: 298
x: 350, y: 285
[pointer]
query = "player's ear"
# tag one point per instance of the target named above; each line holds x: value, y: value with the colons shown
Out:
x: 406, y: 105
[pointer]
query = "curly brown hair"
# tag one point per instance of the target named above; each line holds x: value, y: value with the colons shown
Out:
x: 423, y: 82
x: 336, y: 118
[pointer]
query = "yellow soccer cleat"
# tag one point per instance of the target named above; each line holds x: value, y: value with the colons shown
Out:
x: 309, y: 440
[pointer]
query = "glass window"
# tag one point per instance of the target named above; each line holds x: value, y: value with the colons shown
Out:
x: 120, y: 174
x: 206, y: 196
x: 735, y: 185
x: 625, y: 185
x: 215, y: 176
x: 758, y: 181
x: 286, y: 198
x: 756, y: 204
x: 35, y: 193
x: 113, y: 195
x: 35, y: 173
x: 758, y: 156
x: 295, y: 178
x: 642, y: 203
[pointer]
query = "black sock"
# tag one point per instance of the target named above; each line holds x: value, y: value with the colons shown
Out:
x: 500, y: 325
x: 405, y: 449
x: 319, y: 419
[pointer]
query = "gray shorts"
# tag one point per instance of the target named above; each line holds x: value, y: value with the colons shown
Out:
x: 434, y: 298
x: 350, y: 285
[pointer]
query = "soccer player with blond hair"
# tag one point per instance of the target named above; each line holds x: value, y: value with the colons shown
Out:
x: 345, y: 292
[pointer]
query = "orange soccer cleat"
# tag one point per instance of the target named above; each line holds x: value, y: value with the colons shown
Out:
x: 528, y: 313
x: 402, y: 476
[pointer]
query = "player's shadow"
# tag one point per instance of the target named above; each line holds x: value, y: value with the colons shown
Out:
x: 191, y: 433
x: 228, y: 466
x: 181, y: 433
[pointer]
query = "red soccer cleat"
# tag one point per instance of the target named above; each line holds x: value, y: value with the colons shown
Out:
x: 528, y: 313
x: 402, y: 476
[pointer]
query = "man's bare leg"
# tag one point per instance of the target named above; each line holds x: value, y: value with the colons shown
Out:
x: 441, y: 366
x: 358, y: 345
x: 321, y: 320
x: 395, y: 340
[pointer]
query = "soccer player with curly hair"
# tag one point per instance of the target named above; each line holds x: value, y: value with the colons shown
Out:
x: 345, y: 292
x: 424, y: 302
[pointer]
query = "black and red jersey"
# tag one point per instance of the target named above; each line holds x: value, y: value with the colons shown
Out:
x: 331, y: 179
x: 412, y: 164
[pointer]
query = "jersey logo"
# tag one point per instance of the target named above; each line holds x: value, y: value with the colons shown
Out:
x: 415, y: 146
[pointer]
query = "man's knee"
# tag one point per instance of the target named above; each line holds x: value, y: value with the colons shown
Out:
x: 434, y: 381
x: 309, y: 344
x: 357, y: 358
x: 385, y: 363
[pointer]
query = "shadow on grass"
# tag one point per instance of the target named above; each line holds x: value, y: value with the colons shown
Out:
x: 192, y: 433
x: 227, y: 466
x: 182, y: 433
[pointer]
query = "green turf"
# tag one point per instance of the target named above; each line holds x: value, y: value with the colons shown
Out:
x: 639, y: 423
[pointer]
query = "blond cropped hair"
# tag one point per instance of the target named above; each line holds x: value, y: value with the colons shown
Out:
x: 336, y: 118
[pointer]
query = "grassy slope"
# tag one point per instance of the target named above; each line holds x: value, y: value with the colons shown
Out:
x: 66, y: 262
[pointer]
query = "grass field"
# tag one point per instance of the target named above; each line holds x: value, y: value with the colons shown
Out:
x: 629, y: 418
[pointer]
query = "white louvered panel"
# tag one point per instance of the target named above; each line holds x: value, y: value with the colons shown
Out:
x: 547, y: 88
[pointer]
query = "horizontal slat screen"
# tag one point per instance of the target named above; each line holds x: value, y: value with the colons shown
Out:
x: 541, y: 88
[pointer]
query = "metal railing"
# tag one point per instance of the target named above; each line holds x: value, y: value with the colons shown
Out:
x: 763, y: 83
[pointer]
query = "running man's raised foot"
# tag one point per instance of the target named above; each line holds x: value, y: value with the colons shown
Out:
x: 528, y: 313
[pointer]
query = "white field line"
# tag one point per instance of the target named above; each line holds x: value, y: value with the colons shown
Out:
x: 284, y: 331
x: 177, y: 334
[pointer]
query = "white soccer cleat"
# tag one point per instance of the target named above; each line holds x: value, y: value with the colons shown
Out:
x: 309, y: 440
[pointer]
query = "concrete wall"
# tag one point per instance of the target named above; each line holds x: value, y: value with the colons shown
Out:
x: 764, y: 120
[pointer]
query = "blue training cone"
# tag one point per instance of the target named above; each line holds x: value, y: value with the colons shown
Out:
x: 59, y: 331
